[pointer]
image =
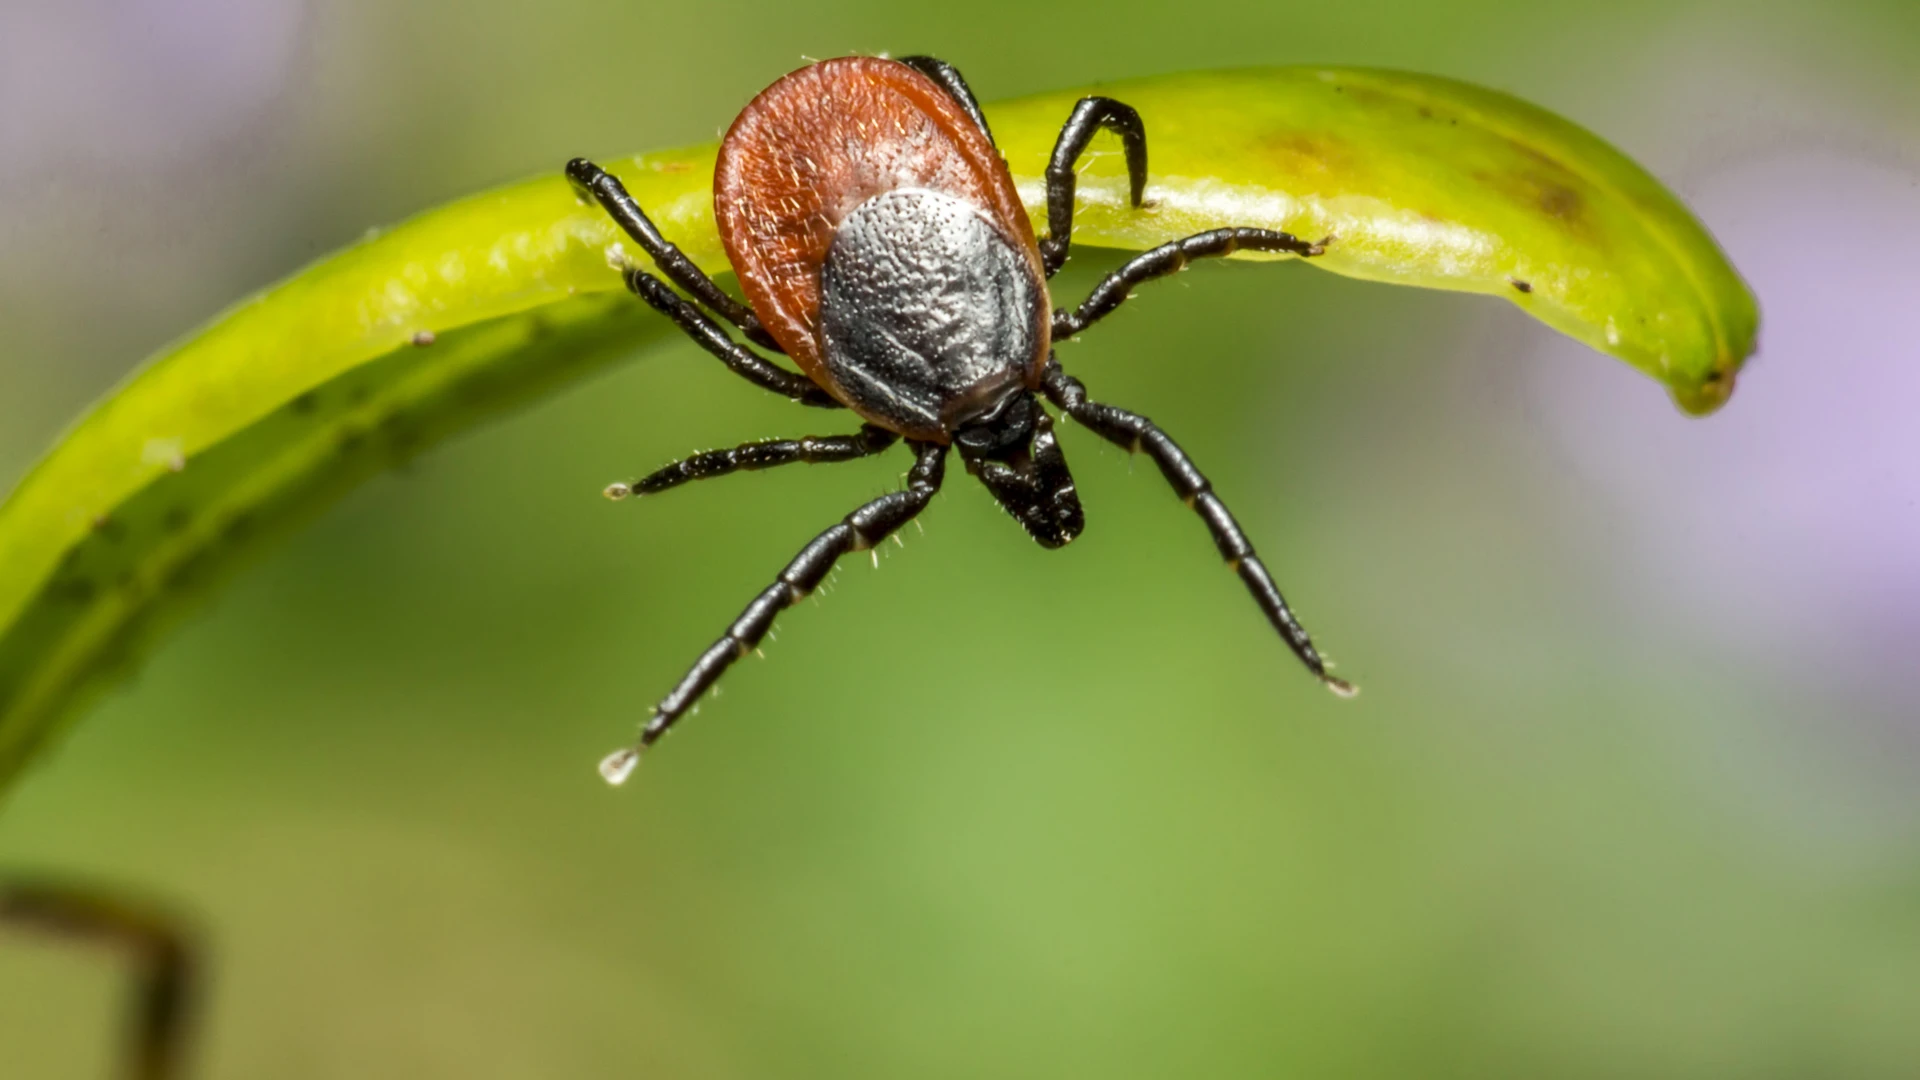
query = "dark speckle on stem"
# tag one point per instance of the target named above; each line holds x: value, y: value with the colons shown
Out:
x: 1560, y: 201
x: 1523, y: 286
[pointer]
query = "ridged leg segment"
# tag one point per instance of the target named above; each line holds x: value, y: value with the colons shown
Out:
x: 1171, y: 258
x: 754, y: 456
x: 860, y: 530
x: 1089, y: 115
x: 949, y: 79
x: 1137, y: 433
x: 741, y: 360
x: 596, y: 183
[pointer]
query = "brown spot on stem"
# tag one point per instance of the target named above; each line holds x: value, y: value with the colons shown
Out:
x: 1299, y: 152
x: 1560, y: 201
x: 1554, y: 193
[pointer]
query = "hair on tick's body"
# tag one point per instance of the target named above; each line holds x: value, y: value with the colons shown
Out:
x: 882, y: 248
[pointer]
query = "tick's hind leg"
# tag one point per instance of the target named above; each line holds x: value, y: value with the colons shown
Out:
x: 596, y: 183
x: 951, y: 81
x: 162, y: 1011
x: 859, y: 531
x: 1135, y: 432
x: 1170, y: 258
x: 592, y: 181
x: 1089, y: 116
x: 749, y: 457
x: 741, y: 360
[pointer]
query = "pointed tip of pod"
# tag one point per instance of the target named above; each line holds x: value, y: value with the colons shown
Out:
x: 617, y: 766
x: 1340, y: 687
x: 1706, y: 397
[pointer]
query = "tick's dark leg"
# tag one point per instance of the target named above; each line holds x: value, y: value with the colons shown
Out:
x: 860, y: 530
x: 1089, y: 116
x: 1136, y: 433
x: 745, y: 363
x: 1170, y: 258
x: 163, y: 1006
x: 810, y: 449
x: 956, y: 87
x: 592, y: 181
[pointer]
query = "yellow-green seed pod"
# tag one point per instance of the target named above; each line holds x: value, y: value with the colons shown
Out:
x: 372, y: 354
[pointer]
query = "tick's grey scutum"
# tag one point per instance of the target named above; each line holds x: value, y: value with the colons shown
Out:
x: 928, y: 314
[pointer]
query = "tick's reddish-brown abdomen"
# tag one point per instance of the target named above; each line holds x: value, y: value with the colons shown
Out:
x: 817, y: 144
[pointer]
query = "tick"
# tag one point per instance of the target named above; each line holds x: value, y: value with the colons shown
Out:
x: 882, y: 248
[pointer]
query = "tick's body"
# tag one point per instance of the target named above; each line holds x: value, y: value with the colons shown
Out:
x: 880, y: 242
x: 879, y: 238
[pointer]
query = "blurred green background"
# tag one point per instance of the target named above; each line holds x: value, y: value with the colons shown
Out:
x: 1633, y: 788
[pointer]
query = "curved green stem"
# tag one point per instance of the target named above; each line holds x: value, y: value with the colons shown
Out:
x: 373, y: 354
